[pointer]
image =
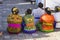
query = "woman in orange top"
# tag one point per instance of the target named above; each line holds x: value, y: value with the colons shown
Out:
x: 47, y: 21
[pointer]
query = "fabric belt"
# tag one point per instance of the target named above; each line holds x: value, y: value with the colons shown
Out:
x: 14, y: 25
x: 37, y: 17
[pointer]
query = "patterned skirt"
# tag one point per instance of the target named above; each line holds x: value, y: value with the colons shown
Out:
x: 14, y: 28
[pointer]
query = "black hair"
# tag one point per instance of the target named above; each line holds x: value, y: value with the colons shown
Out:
x: 48, y: 11
x: 29, y: 11
x: 13, y: 11
x: 56, y: 9
x: 40, y: 5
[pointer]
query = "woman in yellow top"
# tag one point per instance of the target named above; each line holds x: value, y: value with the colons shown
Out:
x: 14, y: 21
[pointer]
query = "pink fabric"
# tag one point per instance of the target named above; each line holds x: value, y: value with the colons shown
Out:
x: 14, y: 25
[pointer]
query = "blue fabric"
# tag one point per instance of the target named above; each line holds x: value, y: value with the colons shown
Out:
x: 54, y: 24
x: 29, y: 32
x: 37, y: 17
x: 23, y: 25
x: 36, y: 20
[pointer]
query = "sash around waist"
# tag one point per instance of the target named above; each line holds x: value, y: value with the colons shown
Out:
x: 14, y: 25
x: 49, y: 24
x: 37, y: 17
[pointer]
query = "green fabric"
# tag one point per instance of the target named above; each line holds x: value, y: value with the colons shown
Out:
x: 47, y: 30
x: 29, y: 19
x: 39, y: 25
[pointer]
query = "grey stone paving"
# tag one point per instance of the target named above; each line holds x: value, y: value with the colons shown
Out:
x: 37, y: 35
x: 14, y: 1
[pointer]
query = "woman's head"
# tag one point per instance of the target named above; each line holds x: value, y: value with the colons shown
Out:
x: 57, y: 8
x: 40, y: 5
x: 29, y: 11
x: 48, y: 11
x: 15, y: 10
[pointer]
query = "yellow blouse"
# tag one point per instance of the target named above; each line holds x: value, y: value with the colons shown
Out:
x: 12, y: 18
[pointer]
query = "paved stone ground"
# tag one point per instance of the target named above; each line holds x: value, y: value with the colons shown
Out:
x: 5, y: 10
x: 14, y: 1
x: 36, y: 36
